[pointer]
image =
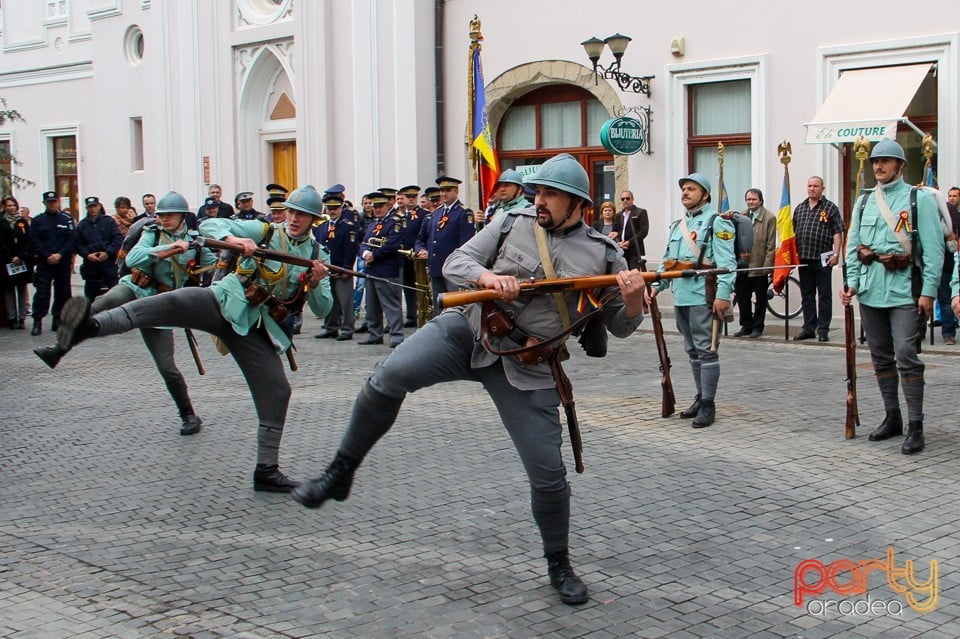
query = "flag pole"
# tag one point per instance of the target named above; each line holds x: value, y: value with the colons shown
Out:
x: 785, y: 221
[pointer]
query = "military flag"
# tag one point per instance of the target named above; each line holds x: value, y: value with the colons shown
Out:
x: 485, y: 155
x: 786, y: 254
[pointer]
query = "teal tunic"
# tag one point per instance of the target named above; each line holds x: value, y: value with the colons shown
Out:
x: 171, y: 271
x: 875, y: 285
x: 690, y: 291
x: 280, y: 279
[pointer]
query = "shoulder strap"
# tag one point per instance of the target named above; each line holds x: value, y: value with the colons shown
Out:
x: 707, y: 235
x: 505, y: 228
x: 915, y: 246
x: 551, y: 274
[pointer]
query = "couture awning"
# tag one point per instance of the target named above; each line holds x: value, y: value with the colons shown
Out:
x: 867, y: 102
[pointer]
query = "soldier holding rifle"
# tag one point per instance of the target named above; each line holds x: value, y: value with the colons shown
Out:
x: 245, y: 311
x: 459, y: 345
x: 699, y: 238
x: 895, y: 285
x: 158, y: 264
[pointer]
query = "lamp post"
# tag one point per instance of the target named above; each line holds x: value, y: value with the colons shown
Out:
x: 618, y: 44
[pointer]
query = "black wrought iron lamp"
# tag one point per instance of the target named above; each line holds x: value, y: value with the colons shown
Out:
x: 618, y: 44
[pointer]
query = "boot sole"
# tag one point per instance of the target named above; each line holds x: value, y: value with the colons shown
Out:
x: 575, y: 601
x: 272, y: 488
x: 74, y: 312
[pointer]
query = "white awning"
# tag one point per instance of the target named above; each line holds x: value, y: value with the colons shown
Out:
x: 867, y: 102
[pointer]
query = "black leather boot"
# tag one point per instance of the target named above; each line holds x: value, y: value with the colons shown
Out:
x: 268, y: 478
x: 51, y: 355
x: 914, y: 441
x: 694, y: 409
x: 335, y: 483
x: 572, y: 590
x: 76, y: 324
x: 707, y: 414
x: 892, y: 425
x: 37, y: 328
x: 191, y: 424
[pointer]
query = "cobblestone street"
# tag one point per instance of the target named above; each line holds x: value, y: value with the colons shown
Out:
x: 114, y: 525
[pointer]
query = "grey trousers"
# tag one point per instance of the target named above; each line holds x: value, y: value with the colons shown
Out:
x: 695, y: 323
x: 383, y: 299
x: 892, y: 339
x: 341, y: 317
x: 160, y: 344
x: 440, y: 351
x: 197, y: 308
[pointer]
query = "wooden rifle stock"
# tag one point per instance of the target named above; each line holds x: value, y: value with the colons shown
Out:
x: 667, y: 398
x: 850, y: 346
x: 561, y: 284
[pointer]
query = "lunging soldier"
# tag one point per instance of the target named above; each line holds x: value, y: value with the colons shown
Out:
x: 881, y: 260
x: 452, y: 347
x: 245, y: 310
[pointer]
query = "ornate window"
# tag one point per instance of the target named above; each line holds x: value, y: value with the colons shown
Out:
x: 57, y: 9
x: 720, y: 112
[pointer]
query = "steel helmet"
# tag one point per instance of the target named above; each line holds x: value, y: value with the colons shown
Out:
x: 510, y: 177
x: 563, y: 172
x: 887, y: 148
x: 173, y: 202
x: 697, y: 178
x: 306, y: 200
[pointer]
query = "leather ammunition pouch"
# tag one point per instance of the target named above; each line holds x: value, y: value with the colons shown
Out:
x: 890, y: 261
x: 593, y: 339
x: 678, y: 265
x: 145, y: 280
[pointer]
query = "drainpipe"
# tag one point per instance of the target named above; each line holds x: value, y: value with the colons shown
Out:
x: 439, y: 86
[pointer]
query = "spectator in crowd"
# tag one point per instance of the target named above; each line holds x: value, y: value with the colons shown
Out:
x: 52, y: 242
x: 15, y: 268
x: 751, y: 287
x: 98, y: 242
x: 819, y: 227
x: 123, y: 214
x: 632, y: 225
x: 605, y: 223
x: 212, y: 206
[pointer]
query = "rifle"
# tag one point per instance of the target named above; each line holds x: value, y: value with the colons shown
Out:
x: 287, y: 258
x: 850, y: 346
x: 561, y: 284
x: 192, y: 342
x: 667, y: 398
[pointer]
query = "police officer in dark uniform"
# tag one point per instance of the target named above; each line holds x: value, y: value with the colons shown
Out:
x: 413, y: 216
x: 98, y: 242
x: 379, y: 253
x: 339, y: 236
x: 245, y: 210
x: 52, y: 242
x: 450, y: 226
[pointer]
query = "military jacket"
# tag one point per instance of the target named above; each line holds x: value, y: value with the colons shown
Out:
x: 410, y: 227
x: 282, y: 280
x: 518, y: 202
x: 341, y: 239
x: 99, y: 234
x: 172, y: 271
x: 450, y: 227
x: 690, y: 291
x: 576, y: 251
x: 875, y: 285
x: 382, y: 239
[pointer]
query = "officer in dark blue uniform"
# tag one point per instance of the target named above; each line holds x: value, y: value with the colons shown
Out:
x: 413, y: 217
x: 276, y: 196
x: 52, y: 241
x: 450, y: 226
x: 98, y: 242
x: 339, y: 235
x: 379, y: 253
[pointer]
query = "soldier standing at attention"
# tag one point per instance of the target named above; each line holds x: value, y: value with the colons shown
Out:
x: 701, y: 238
x: 339, y: 236
x: 245, y: 310
x: 413, y: 217
x: 880, y: 261
x: 449, y: 347
x: 158, y: 263
x: 379, y: 254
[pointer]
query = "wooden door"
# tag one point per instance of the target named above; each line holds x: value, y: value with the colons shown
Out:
x: 285, y: 164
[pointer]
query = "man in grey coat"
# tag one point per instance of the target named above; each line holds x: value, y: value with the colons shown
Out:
x: 751, y: 287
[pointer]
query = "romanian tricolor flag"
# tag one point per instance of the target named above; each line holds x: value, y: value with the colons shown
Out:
x: 486, y: 156
x: 786, y: 254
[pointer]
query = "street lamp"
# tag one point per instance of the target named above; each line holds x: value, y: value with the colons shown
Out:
x: 618, y: 44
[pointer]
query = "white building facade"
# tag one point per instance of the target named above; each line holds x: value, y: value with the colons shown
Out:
x: 124, y: 97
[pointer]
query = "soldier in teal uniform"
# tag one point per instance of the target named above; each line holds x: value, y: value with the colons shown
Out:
x: 880, y: 261
x: 245, y: 311
x: 701, y: 238
x: 155, y: 268
x: 509, y: 194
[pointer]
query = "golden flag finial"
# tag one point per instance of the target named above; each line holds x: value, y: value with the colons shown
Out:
x: 720, y: 153
x: 926, y: 148
x: 475, y: 35
x: 784, y: 150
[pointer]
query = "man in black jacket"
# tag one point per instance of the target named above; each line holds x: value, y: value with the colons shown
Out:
x: 98, y: 241
x: 52, y: 243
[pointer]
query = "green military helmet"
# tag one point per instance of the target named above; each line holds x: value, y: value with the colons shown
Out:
x: 172, y: 202
x: 887, y: 148
x: 697, y: 178
x: 563, y: 172
x: 306, y: 200
x: 510, y: 176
